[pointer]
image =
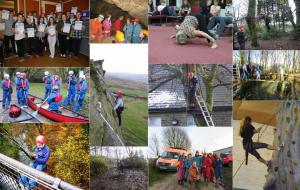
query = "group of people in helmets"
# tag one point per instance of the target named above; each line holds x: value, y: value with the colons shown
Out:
x: 22, y: 88
x: 77, y: 89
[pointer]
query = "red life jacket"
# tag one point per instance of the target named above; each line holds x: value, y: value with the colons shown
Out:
x: 7, y: 83
x: 24, y: 83
x: 79, y: 86
x: 58, y: 97
x: 55, y: 83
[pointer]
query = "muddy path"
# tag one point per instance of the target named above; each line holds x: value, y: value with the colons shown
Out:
x: 129, y: 179
x: 170, y: 183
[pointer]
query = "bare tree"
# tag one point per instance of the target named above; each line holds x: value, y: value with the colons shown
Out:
x: 176, y: 137
x: 154, y: 145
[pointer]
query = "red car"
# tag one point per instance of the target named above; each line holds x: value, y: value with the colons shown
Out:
x: 227, y: 159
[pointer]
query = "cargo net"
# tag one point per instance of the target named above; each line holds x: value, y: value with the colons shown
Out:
x: 10, y: 179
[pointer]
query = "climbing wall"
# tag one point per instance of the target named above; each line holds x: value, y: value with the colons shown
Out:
x: 100, y: 134
x: 284, y: 172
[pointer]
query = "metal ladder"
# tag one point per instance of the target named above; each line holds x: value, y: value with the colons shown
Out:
x: 205, y: 112
x: 235, y: 78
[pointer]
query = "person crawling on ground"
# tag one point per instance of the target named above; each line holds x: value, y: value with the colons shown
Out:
x: 193, y: 25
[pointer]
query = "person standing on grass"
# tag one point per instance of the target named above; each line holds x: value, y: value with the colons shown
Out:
x: 63, y: 35
x: 82, y: 87
x: 7, y: 91
x: 23, y: 88
x: 181, y: 168
x: 71, y: 80
x: 48, y: 80
x: 17, y: 81
x: 246, y: 132
x: 188, y: 164
x: 51, y: 31
x: 76, y: 35
x: 9, y: 35
x: 218, y: 163
x: 19, y: 31
x: 119, y: 106
x: 57, y: 82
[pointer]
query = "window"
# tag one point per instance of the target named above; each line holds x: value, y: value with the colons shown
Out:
x: 154, y: 122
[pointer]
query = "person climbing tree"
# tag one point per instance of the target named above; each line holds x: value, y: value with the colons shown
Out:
x: 246, y: 132
x: 7, y: 91
x: 119, y: 106
x: 47, y: 79
x: 192, y: 82
x: 54, y: 99
x: 41, y: 157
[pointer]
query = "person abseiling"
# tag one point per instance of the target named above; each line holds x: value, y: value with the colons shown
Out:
x: 192, y: 82
x: 119, y: 106
x: 23, y: 88
x: 41, y: 157
x: 71, y: 80
x: 47, y: 79
x: 54, y: 100
x: 81, y: 93
x: 246, y: 132
x: 7, y: 91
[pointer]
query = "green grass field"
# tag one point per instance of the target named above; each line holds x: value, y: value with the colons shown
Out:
x: 135, y: 115
x: 37, y: 89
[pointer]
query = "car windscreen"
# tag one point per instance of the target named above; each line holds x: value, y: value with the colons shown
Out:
x: 172, y: 155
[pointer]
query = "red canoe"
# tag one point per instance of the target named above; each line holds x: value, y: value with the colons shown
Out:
x: 66, y: 116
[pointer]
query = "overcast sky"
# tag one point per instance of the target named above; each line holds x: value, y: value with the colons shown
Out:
x: 210, y: 139
x: 121, y: 58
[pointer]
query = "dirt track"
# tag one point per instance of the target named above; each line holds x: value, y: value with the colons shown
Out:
x: 170, y: 183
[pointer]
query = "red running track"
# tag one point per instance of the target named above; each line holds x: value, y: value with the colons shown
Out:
x: 162, y: 49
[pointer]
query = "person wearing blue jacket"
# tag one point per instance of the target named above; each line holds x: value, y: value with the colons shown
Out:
x: 128, y: 29
x: 198, y: 159
x: 47, y: 79
x: 137, y: 28
x: 81, y: 93
x: 54, y: 100
x: 23, y: 88
x: 7, y: 91
x: 188, y: 164
x: 41, y: 157
x: 218, y: 163
x: 71, y: 80
x: 57, y: 82
x: 17, y: 80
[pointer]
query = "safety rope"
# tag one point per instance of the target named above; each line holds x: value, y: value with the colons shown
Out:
x: 258, y: 136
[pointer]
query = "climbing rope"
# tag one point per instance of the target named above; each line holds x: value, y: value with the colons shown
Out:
x: 264, y: 127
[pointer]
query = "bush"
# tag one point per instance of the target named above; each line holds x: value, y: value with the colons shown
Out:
x: 135, y: 162
x: 98, y: 165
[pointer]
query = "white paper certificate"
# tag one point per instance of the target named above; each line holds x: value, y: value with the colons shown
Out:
x: 30, y: 32
x: 5, y: 14
x: 31, y: 18
x: 51, y: 30
x: 2, y: 26
x: 58, y: 8
x: 19, y: 27
x: 67, y: 28
x: 42, y: 27
x: 78, y: 25
x: 74, y: 10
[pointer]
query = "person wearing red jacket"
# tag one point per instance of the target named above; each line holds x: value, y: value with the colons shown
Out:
x: 204, y: 166
x: 118, y: 24
x: 210, y: 168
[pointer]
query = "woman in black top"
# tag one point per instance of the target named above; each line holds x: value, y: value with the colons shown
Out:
x: 246, y: 132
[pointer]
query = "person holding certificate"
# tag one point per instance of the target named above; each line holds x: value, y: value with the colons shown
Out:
x: 77, y: 34
x: 19, y: 31
x: 51, y: 30
x: 40, y: 36
x: 31, y: 29
x: 63, y: 27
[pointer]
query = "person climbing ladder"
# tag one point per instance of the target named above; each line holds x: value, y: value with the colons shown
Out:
x: 119, y: 105
x: 246, y: 132
x: 192, y: 82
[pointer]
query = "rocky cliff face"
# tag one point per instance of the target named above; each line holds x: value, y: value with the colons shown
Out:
x: 132, y: 8
x: 100, y: 133
x: 285, y: 168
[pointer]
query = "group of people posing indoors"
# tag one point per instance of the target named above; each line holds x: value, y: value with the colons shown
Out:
x: 77, y: 90
x: 28, y: 35
x: 192, y: 169
x: 125, y: 30
x: 210, y: 22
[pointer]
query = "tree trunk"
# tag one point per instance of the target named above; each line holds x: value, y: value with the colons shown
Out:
x: 297, y: 32
x: 251, y: 21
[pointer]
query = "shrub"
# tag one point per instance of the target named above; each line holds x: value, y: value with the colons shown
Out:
x: 98, y: 166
